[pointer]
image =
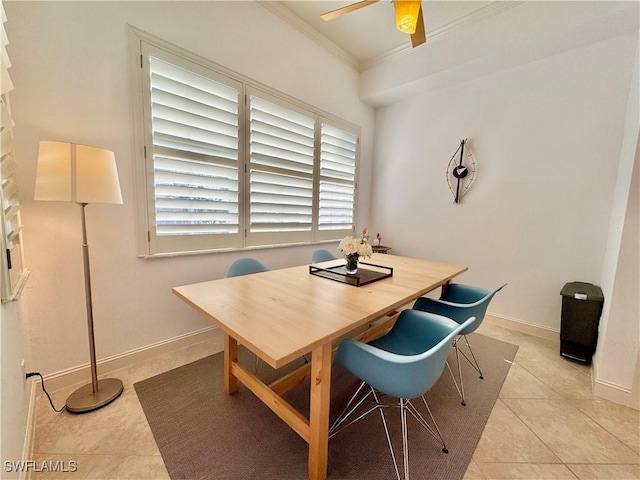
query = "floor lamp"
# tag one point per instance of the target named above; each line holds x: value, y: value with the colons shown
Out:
x: 70, y: 172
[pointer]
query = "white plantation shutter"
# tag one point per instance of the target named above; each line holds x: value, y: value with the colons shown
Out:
x: 13, y: 272
x: 228, y: 163
x: 338, y: 154
x: 281, y: 167
x: 195, y: 119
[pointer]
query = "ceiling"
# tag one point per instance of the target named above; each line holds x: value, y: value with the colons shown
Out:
x: 368, y: 36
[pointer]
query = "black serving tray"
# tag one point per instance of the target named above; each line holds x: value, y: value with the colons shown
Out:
x: 362, y: 277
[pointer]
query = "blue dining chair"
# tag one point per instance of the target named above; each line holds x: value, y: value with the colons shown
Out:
x: 322, y: 255
x: 245, y: 266
x: 405, y: 363
x: 459, y: 302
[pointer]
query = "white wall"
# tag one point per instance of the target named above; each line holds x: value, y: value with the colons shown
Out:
x: 70, y: 71
x: 547, y: 138
x: 617, y: 358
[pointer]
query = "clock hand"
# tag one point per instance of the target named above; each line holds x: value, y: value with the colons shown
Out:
x: 461, y: 157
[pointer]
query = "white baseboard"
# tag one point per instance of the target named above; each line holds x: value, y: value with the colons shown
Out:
x: 29, y: 437
x: 629, y: 397
x: 82, y: 373
x: 524, y: 327
x: 615, y: 393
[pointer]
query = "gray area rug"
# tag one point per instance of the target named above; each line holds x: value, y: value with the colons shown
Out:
x: 202, y: 433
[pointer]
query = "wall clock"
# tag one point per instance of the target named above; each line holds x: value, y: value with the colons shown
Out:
x: 461, y: 171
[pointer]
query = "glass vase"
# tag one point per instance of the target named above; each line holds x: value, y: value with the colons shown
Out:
x: 352, y: 264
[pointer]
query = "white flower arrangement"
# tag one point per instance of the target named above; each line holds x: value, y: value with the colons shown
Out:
x: 357, y: 246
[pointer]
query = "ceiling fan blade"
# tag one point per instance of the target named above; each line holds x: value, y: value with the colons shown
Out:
x: 338, y: 12
x: 420, y: 36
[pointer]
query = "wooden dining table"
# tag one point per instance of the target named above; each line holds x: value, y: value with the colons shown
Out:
x: 281, y: 315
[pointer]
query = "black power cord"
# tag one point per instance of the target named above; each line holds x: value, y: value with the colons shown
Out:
x: 33, y: 374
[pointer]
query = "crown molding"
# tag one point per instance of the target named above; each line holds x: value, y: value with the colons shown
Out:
x: 302, y: 26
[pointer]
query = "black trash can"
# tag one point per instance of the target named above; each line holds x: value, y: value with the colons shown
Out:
x: 581, y: 309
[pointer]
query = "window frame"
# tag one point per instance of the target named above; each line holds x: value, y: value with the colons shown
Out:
x: 141, y: 46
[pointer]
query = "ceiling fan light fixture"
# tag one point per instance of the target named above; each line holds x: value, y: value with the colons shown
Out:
x: 407, y: 15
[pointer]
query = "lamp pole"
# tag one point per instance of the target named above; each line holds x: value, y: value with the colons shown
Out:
x: 87, y: 290
x: 98, y: 393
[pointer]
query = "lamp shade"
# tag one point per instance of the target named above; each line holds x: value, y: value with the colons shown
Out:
x: 407, y: 15
x: 69, y: 172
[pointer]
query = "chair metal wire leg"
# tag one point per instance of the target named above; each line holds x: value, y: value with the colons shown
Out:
x: 472, y: 361
x: 405, y: 437
x: 474, y: 364
x: 444, y: 445
x: 341, y: 422
x: 386, y: 432
x: 455, y: 383
x: 455, y: 345
x: 434, y: 432
x: 405, y: 406
x: 338, y: 424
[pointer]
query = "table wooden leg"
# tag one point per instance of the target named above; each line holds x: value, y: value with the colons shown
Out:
x: 230, y: 356
x: 445, y: 287
x: 319, y: 412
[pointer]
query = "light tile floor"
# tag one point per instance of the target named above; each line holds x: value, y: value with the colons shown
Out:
x: 546, y: 424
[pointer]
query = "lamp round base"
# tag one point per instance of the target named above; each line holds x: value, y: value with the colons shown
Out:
x: 84, y: 400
